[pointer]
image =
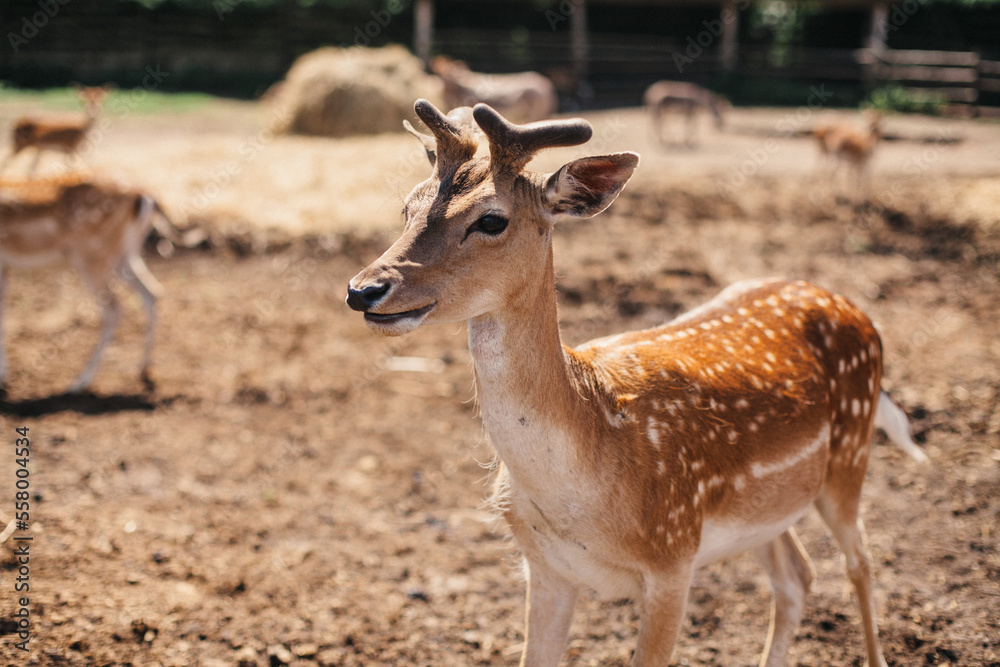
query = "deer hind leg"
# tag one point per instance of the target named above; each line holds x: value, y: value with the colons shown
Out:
x: 35, y: 161
x: 791, y: 573
x: 135, y: 272
x: 656, y: 122
x: 663, y: 604
x: 551, y: 600
x: 110, y: 315
x: 690, y: 125
x: 841, y: 515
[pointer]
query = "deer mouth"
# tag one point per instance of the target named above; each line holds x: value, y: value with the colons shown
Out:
x: 411, y: 318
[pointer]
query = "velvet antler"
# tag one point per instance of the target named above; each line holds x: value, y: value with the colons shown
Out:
x: 512, y: 146
x: 454, y: 141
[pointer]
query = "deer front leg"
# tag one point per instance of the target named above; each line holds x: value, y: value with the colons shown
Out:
x: 664, y: 600
x: 549, y: 612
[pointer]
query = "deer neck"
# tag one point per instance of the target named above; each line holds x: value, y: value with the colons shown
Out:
x: 524, y: 384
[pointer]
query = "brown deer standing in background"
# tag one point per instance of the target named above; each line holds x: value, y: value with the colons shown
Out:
x: 524, y: 96
x: 666, y: 97
x: 96, y: 226
x: 61, y: 133
x: 629, y: 461
x: 847, y: 145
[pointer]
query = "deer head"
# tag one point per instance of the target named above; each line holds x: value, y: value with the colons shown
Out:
x: 477, y: 233
x: 92, y: 98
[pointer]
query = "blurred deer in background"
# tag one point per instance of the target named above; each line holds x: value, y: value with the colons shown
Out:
x: 844, y: 144
x: 97, y: 227
x: 629, y: 461
x: 61, y: 133
x: 525, y: 96
x: 668, y: 97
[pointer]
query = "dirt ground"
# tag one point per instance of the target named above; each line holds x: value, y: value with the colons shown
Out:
x: 289, y: 493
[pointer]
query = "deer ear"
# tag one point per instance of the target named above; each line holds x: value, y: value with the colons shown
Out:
x: 430, y: 145
x: 586, y: 187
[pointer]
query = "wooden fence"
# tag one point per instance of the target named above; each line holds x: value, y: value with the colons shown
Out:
x: 955, y: 76
x: 620, y: 67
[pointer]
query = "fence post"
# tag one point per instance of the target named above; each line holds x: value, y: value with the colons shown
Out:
x: 581, y: 52
x: 730, y: 35
x: 875, y: 44
x: 423, y: 29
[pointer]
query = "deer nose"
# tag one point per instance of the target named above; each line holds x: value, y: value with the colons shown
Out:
x: 366, y: 297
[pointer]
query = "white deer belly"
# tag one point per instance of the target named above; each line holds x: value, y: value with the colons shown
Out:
x: 722, y: 539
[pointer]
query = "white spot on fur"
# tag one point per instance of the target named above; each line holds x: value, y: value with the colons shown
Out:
x: 652, y: 433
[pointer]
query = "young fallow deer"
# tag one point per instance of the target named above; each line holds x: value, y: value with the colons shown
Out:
x: 666, y: 97
x: 629, y: 461
x: 523, y: 96
x: 97, y: 227
x: 62, y: 133
x: 844, y: 144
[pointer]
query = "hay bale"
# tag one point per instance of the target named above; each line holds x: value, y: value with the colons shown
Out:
x: 338, y: 92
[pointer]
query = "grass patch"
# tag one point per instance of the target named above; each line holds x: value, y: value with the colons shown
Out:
x: 134, y: 100
x: 904, y: 100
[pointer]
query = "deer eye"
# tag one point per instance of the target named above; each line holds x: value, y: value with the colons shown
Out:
x: 491, y: 224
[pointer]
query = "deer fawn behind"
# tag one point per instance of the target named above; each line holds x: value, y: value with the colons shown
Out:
x: 62, y: 134
x: 97, y: 227
x: 847, y: 145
